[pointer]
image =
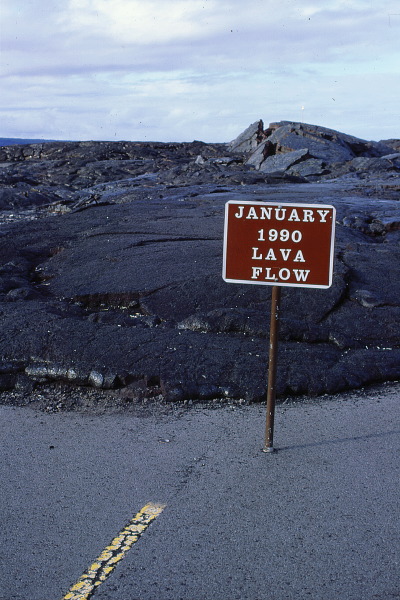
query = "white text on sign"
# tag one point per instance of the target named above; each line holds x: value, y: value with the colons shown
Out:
x: 280, y: 214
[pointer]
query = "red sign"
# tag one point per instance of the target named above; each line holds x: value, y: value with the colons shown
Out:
x: 269, y: 243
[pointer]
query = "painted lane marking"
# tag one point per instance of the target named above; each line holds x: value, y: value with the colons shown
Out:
x: 106, y: 562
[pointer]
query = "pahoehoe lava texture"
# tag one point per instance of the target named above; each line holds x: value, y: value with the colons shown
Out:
x: 111, y: 260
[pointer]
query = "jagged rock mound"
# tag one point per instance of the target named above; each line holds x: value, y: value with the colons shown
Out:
x: 313, y: 152
x: 394, y: 144
x: 111, y: 261
x: 249, y: 139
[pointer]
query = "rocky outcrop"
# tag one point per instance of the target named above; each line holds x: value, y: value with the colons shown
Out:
x: 394, y: 144
x: 111, y: 260
x: 313, y: 152
x: 249, y: 139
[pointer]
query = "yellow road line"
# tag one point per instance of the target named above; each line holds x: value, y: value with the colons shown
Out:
x: 106, y: 562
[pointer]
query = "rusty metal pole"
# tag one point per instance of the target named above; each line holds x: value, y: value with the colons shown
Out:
x: 273, y: 355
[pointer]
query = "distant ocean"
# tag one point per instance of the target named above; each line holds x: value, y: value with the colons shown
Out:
x: 13, y: 141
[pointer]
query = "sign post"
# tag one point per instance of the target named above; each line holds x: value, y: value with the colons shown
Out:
x: 272, y: 363
x: 278, y: 244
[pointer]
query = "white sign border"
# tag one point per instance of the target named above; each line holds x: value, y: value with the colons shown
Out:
x: 279, y: 204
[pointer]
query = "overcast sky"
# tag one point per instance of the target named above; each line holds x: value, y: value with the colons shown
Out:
x: 179, y: 70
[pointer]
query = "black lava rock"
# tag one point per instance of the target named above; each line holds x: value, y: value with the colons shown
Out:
x: 111, y: 260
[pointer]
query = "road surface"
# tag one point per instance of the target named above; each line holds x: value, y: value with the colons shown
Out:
x: 317, y: 519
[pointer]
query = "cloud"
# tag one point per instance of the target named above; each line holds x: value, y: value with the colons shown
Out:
x: 144, y: 23
x: 127, y: 34
x: 106, y: 68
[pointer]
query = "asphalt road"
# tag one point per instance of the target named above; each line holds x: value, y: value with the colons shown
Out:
x: 318, y: 519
